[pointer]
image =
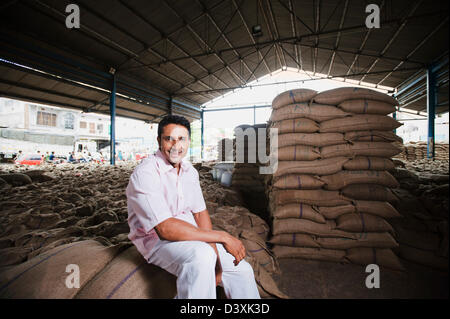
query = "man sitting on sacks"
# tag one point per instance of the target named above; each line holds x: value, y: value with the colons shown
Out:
x: 170, y: 225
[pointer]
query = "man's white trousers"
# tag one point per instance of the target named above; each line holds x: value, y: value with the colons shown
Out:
x: 193, y: 263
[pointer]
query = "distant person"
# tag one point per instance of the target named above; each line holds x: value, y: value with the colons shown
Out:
x: 71, y: 157
x: 18, y: 155
x: 52, y: 157
x: 120, y: 156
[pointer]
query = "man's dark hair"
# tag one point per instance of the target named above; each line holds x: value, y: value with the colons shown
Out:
x: 173, y: 119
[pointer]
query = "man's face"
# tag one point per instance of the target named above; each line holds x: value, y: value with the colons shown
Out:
x: 174, y: 142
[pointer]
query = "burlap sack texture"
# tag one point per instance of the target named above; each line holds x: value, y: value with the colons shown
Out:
x: 339, y: 172
x: 77, y: 214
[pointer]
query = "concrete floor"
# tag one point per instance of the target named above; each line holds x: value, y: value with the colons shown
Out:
x: 317, y: 280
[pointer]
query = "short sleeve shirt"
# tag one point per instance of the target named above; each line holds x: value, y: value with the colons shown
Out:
x: 155, y: 193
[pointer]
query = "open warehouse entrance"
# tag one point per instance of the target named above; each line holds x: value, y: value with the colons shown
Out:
x: 143, y: 60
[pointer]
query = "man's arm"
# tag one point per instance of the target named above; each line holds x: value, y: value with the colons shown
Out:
x: 174, y: 229
x: 204, y: 222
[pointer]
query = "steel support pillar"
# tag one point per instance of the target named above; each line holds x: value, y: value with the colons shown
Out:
x: 431, y: 109
x: 202, y: 129
x: 112, y: 112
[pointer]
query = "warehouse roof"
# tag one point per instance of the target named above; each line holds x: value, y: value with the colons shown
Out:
x: 173, y: 56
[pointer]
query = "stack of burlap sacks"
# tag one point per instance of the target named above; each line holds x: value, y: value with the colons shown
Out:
x: 418, y: 151
x: 48, y: 223
x: 330, y: 195
x: 225, y: 154
x: 246, y: 175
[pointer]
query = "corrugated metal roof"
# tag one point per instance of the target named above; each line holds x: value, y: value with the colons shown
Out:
x: 191, y: 50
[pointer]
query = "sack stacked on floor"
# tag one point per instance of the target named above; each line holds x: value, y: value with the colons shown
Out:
x: 246, y: 176
x: 330, y: 195
x: 418, y: 151
x: 225, y: 150
x: 423, y: 232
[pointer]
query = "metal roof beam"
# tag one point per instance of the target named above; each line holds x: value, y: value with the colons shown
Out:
x: 232, y: 72
x: 277, y: 34
x: 316, y: 29
x: 250, y: 34
x: 394, y: 36
x: 266, y: 20
x: 298, y: 59
x: 363, y: 43
x: 96, y: 35
x: 224, y: 37
x: 421, y: 43
x: 295, y: 81
x: 291, y: 10
x: 150, y: 49
x: 336, y: 44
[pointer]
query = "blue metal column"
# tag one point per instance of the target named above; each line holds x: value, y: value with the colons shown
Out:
x: 112, y: 111
x: 431, y: 109
x: 202, y: 133
x: 394, y: 116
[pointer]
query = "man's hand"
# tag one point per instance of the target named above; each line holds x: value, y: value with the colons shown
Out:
x: 235, y: 247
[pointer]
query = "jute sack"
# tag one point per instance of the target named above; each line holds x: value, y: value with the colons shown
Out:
x: 247, y: 177
x: 339, y: 95
x: 420, y: 240
x: 295, y: 240
x: 298, y: 153
x: 370, y: 192
x: 293, y: 96
x: 335, y: 211
x: 298, y: 211
x: 298, y: 181
x: 312, y: 111
x: 366, y: 106
x: 45, y: 275
x: 377, y: 149
x: 16, y: 179
x: 317, y: 167
x: 369, y: 163
x: 299, y: 125
x: 378, y: 208
x: 383, y: 257
x: 372, y: 136
x: 311, y: 139
x: 310, y: 253
x: 305, y: 226
x: 256, y: 247
x: 246, y: 183
x: 317, y: 197
x: 359, y: 123
x: 344, y: 178
x: 375, y: 240
x: 246, y: 170
x: 266, y: 285
x: 360, y: 222
x: 129, y: 276
x: 240, y: 218
x: 423, y: 257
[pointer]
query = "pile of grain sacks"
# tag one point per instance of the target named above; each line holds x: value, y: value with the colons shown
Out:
x: 225, y: 153
x: 423, y: 230
x: 413, y: 151
x: 246, y: 175
x: 77, y: 214
x: 330, y: 197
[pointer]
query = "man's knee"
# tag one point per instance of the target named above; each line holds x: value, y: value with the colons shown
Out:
x: 204, y: 255
x: 245, y: 269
